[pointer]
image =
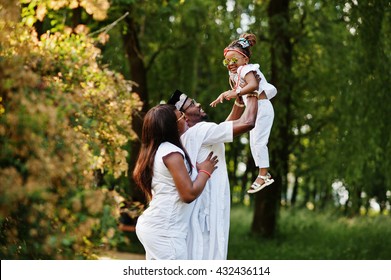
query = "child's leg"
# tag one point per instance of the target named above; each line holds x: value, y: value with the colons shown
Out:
x: 263, y: 172
x: 259, y: 138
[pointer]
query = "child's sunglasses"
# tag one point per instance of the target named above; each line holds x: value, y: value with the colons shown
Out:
x: 231, y: 61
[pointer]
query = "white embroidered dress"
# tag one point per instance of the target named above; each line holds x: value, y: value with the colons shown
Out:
x: 163, y: 227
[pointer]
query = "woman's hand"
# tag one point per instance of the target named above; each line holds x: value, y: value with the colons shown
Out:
x: 209, y: 164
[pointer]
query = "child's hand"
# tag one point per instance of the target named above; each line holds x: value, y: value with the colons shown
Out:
x: 230, y: 94
x: 218, y: 100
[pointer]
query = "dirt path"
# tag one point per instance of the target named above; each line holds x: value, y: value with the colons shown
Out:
x: 114, y: 255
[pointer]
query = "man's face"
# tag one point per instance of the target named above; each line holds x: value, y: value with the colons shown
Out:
x: 193, y: 111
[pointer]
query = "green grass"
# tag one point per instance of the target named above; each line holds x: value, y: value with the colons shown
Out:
x: 307, y: 235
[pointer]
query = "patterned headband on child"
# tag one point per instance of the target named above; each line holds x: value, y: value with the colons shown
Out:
x: 243, y: 42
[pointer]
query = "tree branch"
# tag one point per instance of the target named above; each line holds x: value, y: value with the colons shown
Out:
x: 107, y: 28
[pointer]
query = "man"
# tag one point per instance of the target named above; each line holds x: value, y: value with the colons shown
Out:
x: 209, y: 225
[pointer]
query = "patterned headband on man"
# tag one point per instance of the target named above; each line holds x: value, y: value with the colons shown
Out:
x: 178, y: 99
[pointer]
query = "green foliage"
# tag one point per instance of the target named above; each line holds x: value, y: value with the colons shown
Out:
x: 364, y: 130
x: 309, y: 235
x: 333, y: 133
x: 64, y: 118
x: 339, y: 121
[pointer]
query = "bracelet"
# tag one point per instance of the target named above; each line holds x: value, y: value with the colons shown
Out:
x: 238, y: 104
x: 252, y: 94
x: 204, y: 171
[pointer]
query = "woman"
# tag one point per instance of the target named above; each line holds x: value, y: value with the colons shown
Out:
x: 163, y: 171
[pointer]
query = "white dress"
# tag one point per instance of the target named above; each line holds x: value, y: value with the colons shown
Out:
x: 209, y: 224
x: 163, y: 227
x: 259, y: 135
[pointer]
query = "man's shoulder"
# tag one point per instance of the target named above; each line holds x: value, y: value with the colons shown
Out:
x: 205, y: 126
x: 202, y: 125
x: 199, y: 129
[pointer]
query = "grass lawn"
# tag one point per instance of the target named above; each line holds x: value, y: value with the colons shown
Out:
x: 308, y: 235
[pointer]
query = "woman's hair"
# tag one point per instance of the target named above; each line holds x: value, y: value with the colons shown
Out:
x: 160, y: 125
x: 244, y: 43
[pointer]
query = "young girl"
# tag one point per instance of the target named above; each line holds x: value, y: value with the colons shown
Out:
x: 246, y: 79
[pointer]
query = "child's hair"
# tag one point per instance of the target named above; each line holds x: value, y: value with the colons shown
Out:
x: 244, y: 43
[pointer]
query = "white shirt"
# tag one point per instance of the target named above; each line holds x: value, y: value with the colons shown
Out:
x: 167, y: 215
x: 269, y: 89
x: 212, y: 208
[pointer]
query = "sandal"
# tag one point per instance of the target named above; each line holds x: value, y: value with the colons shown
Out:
x: 256, y: 187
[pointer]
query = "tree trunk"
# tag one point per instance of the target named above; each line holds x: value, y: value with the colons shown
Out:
x: 295, y: 191
x: 356, y: 201
x: 76, y: 17
x: 139, y: 76
x: 267, y: 201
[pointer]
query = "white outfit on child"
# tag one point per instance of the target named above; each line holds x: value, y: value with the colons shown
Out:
x: 164, y: 225
x: 259, y: 135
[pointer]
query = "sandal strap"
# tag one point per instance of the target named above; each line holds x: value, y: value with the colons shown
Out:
x: 267, y: 180
x: 263, y: 177
x: 266, y: 177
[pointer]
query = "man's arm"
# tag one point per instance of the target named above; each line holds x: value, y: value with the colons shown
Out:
x: 246, y: 122
x: 237, y: 110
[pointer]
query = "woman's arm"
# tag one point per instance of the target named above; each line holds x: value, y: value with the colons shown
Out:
x: 187, y: 189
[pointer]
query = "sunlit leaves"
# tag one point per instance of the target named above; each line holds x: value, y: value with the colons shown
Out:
x: 34, y: 10
x: 64, y: 117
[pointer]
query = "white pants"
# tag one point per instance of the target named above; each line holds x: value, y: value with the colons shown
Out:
x: 161, y: 247
x: 259, y: 135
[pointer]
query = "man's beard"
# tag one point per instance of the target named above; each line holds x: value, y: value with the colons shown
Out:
x: 198, y: 116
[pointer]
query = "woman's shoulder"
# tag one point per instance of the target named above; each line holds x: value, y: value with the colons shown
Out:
x: 167, y: 147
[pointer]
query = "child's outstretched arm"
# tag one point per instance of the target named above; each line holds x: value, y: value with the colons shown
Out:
x: 219, y: 99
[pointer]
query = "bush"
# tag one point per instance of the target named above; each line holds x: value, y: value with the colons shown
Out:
x: 63, y: 117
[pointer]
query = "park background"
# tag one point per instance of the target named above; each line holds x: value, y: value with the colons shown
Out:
x: 78, y: 76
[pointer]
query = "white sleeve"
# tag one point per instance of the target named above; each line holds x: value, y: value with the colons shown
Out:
x: 270, y: 90
x: 217, y: 133
x: 245, y: 69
